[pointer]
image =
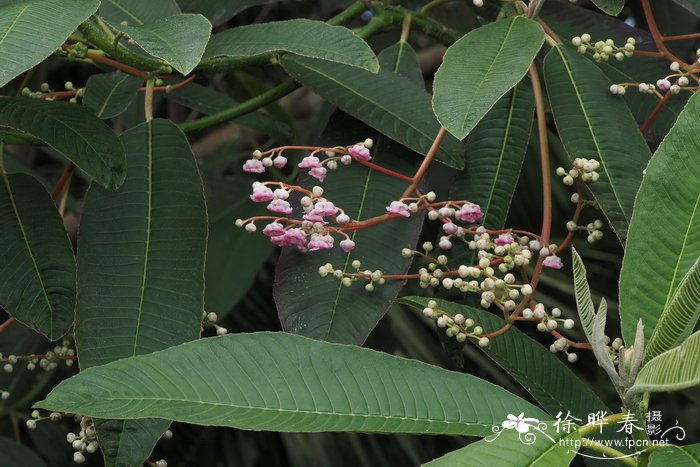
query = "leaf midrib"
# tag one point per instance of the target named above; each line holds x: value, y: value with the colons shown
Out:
x: 14, y: 23
x: 110, y: 94
x: 126, y: 11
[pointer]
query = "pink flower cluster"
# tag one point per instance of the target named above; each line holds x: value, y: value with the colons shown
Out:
x: 360, y: 152
x: 315, y: 167
x: 398, y: 207
x: 257, y: 164
x: 469, y: 213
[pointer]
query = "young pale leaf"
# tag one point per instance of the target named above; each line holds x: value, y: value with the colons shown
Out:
x: 38, y: 269
x: 180, y: 39
x: 678, y: 368
x: 680, y: 315
x: 137, y: 12
x: 553, y: 385
x: 664, y: 239
x: 611, y: 7
x: 109, y: 94
x: 15, y: 454
x: 321, y: 307
x: 73, y: 131
x: 283, y: 382
x: 31, y: 30
x: 218, y: 11
x: 402, y: 60
x: 388, y: 103
x: 590, y: 121
x: 549, y: 448
x: 303, y: 37
x: 141, y: 266
x: 480, y: 68
x: 675, y: 456
x: 584, y: 302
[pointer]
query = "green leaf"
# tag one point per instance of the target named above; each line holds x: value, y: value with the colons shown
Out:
x: 680, y: 315
x: 584, y: 302
x: 692, y: 6
x: 538, y: 448
x: 303, y: 37
x: 73, y: 131
x: 218, y: 11
x: 611, y: 7
x: 21, y: 47
x: 109, y: 94
x: 141, y: 267
x: 550, y: 381
x: 137, y: 12
x: 180, y: 39
x: 590, y: 121
x: 321, y: 307
x: 386, y: 102
x: 678, y: 368
x: 664, y: 237
x: 480, y: 68
x: 36, y: 258
x: 402, y: 60
x: 675, y: 456
x: 284, y: 382
x: 14, y: 454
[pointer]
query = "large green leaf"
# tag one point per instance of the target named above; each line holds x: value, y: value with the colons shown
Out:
x: 137, y: 12
x: 480, y: 68
x: 73, y: 131
x: 218, y: 11
x: 402, y: 60
x: 31, y: 30
x: 321, y: 307
x: 546, y: 447
x: 676, y: 456
x: 36, y: 258
x: 180, y: 39
x: 141, y: 268
x: 553, y: 385
x: 611, y: 7
x: 283, y: 382
x: 386, y: 102
x: 680, y: 315
x: 582, y: 292
x: 590, y: 121
x: 664, y: 237
x: 14, y: 454
x: 110, y: 94
x: 678, y: 368
x: 303, y: 37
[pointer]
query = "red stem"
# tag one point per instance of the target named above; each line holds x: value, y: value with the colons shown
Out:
x: 654, y: 112
x: 65, y: 177
x: 7, y: 324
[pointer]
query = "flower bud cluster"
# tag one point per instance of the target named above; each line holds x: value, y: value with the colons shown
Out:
x: 583, y: 169
x: 456, y: 326
x: 592, y: 229
x: 372, y: 278
x: 85, y: 441
x: 676, y: 81
x: 548, y: 322
x: 47, y: 362
x: 603, y: 50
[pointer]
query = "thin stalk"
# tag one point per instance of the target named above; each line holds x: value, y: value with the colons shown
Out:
x: 429, y: 157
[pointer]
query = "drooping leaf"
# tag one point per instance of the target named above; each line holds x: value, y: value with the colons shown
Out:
x: 582, y: 292
x: 680, y: 315
x: 110, y: 94
x: 386, y: 102
x: 675, y: 456
x: 36, y: 258
x: 590, y: 121
x: 321, y: 307
x: 664, y: 237
x: 137, y: 12
x: 21, y: 47
x: 553, y: 385
x: 480, y: 68
x: 284, y: 382
x: 180, y: 39
x: 141, y: 268
x: 678, y: 368
x: 73, y: 131
x: 402, y: 60
x: 611, y: 7
x: 303, y: 37
x: 218, y: 11
x: 14, y: 454
x: 692, y: 6
x: 546, y: 447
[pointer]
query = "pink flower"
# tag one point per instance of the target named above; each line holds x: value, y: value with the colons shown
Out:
x: 319, y: 242
x: 318, y: 173
x: 320, y: 210
x: 397, y: 207
x: 310, y: 162
x: 261, y: 193
x: 663, y: 84
x: 469, y: 213
x: 279, y: 161
x: 359, y: 151
x: 553, y: 262
x: 292, y: 237
x: 504, y: 239
x: 279, y: 205
x: 347, y: 245
x: 254, y: 166
x: 274, y: 229
x: 449, y: 228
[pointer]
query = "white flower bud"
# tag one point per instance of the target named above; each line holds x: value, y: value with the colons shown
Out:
x: 250, y: 227
x: 221, y: 331
x: 484, y: 342
x: 675, y: 66
x: 78, y: 457
x: 576, y: 41
x: 572, y: 357
x: 569, y: 324
x: 257, y: 154
x: 368, y: 143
